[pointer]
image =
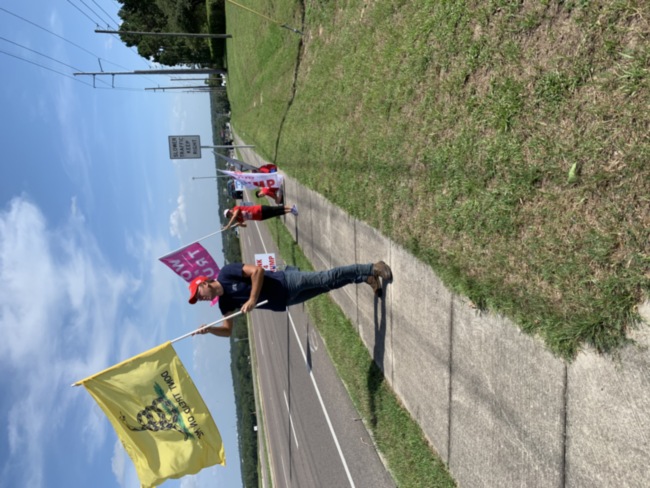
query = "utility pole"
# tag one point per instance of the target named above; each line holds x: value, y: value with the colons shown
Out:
x: 166, y: 34
x: 184, y: 71
x: 202, y: 88
x: 181, y: 71
x: 189, y: 79
x: 226, y: 147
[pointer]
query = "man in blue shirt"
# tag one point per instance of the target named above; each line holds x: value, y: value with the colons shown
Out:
x: 242, y: 286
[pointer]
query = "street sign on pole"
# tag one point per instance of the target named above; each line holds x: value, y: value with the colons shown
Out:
x: 185, y: 147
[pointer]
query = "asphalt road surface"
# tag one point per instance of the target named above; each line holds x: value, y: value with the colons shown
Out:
x: 314, y: 434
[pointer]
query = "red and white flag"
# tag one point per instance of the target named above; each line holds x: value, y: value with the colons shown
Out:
x: 253, y: 181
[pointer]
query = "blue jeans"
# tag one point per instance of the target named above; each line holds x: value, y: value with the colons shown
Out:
x: 302, y: 285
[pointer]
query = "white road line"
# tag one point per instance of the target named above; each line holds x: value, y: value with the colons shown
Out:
x: 261, y: 240
x: 272, y: 466
x: 284, y: 470
x: 322, y: 404
x: 313, y: 380
x: 293, y: 429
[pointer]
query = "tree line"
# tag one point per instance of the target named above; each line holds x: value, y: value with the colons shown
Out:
x: 188, y: 16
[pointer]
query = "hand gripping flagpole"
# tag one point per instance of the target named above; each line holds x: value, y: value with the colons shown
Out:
x: 215, y: 323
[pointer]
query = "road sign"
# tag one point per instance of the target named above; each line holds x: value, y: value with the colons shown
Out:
x: 185, y: 147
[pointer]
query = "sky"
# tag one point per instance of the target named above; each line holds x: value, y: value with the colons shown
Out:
x: 89, y: 200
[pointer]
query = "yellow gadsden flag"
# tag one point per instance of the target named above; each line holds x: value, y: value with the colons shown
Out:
x: 158, y: 415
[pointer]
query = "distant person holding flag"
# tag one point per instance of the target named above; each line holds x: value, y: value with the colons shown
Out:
x: 242, y: 286
x: 274, y: 194
x: 242, y: 213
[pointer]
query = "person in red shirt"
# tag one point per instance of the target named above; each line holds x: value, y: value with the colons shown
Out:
x: 268, y: 168
x: 274, y: 194
x: 242, y: 213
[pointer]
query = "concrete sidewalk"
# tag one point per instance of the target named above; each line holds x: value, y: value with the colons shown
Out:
x: 499, y: 408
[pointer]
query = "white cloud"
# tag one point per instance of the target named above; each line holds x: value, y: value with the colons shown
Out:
x: 179, y: 115
x: 178, y: 218
x: 162, y: 285
x: 74, y: 137
x: 123, y: 468
x: 109, y: 43
x: 22, y: 265
x: 54, y: 21
x: 64, y: 311
x: 119, y: 462
x: 191, y: 481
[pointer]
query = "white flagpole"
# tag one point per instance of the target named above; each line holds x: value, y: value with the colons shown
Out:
x: 214, y: 323
x: 182, y: 247
x: 78, y: 383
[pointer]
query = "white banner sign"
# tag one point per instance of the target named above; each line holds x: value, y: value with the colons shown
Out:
x: 266, y: 261
x: 253, y: 181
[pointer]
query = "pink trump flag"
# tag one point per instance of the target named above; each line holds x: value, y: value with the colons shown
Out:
x: 192, y: 261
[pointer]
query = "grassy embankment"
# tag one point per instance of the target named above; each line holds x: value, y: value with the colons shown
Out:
x: 506, y: 145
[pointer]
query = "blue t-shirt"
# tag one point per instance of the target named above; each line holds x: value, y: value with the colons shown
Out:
x: 237, y: 289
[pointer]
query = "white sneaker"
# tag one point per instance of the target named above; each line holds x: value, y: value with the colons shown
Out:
x: 294, y: 210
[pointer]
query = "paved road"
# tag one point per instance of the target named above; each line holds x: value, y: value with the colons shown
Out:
x: 314, y: 434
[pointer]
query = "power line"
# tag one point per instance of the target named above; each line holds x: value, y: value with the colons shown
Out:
x: 44, y: 55
x: 50, y: 32
x: 66, y: 40
x: 108, y: 24
x: 107, y: 14
x: 83, y: 13
x: 67, y: 75
x: 40, y: 54
x: 116, y: 37
x: 44, y: 67
x: 101, y: 20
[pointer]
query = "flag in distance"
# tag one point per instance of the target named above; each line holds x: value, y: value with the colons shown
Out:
x: 158, y: 415
x: 254, y: 181
x: 191, y: 261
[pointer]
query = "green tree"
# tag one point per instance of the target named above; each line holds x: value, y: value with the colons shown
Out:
x: 166, y: 16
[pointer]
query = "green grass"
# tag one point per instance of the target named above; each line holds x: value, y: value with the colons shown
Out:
x: 399, y: 439
x: 452, y: 127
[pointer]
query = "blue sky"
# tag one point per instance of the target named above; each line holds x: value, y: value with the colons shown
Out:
x: 89, y: 199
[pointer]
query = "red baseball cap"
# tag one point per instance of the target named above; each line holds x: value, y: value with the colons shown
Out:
x: 194, y: 287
